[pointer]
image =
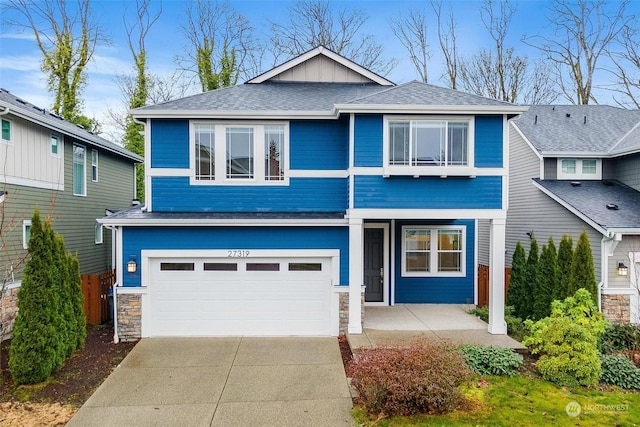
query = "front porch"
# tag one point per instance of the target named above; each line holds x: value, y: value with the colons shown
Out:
x: 402, y: 323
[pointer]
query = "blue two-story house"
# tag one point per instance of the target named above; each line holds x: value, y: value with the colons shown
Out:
x: 284, y: 205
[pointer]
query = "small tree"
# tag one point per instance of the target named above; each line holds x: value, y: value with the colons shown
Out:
x: 565, y: 258
x: 531, y: 282
x: 547, y: 280
x: 515, y: 293
x: 582, y: 268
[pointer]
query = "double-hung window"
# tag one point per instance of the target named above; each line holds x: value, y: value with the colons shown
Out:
x: 433, y: 251
x: 79, y: 170
x: 424, y: 146
x: 244, y: 153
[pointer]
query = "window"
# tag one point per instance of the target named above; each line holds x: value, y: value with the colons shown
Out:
x: 98, y: 234
x: 580, y: 169
x: 177, y: 266
x: 55, y: 145
x: 433, y: 251
x: 26, y: 233
x: 6, y: 130
x: 94, y: 165
x: 79, y: 168
x: 305, y: 266
x: 263, y: 266
x: 239, y: 149
x: 443, y: 143
x: 220, y: 266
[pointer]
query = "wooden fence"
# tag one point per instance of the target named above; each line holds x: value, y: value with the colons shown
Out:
x: 96, y: 291
x: 483, y: 284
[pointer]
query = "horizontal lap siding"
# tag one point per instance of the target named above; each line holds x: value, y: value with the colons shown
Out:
x: 488, y: 141
x: 368, y: 140
x: 237, y: 238
x: 301, y: 195
x: 445, y: 290
x: 400, y: 192
x: 319, y: 144
x: 170, y: 147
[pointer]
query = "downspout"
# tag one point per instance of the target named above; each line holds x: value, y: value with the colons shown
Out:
x: 4, y: 111
x: 116, y: 339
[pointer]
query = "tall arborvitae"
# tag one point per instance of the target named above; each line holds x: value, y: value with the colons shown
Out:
x: 547, y: 280
x: 515, y: 293
x: 565, y: 258
x: 34, y: 344
x: 582, y: 268
x: 75, y: 285
x: 531, y: 283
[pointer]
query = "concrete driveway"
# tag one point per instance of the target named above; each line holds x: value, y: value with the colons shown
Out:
x: 224, y: 382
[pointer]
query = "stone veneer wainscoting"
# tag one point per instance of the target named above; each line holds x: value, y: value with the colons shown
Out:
x: 8, y: 311
x: 616, y: 308
x: 129, y: 317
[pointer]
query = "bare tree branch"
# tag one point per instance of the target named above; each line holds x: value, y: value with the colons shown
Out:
x: 448, y: 44
x: 627, y: 68
x: 411, y: 31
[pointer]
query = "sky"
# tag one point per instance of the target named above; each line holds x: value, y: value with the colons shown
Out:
x: 20, y: 57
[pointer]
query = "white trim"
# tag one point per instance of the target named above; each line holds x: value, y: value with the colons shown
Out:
x: 93, y: 150
x: 352, y: 160
x: 308, y: 173
x: 148, y: 188
x: 356, y: 240
x: 433, y: 251
x: 506, y: 150
x: 25, y: 241
x: 59, y: 145
x: 11, y: 131
x: 612, y: 149
x: 475, y: 262
x: 386, y: 272
x: 576, y: 154
x: 234, y: 114
x: 84, y: 170
x: 430, y: 109
x: 27, y: 182
x: 169, y: 172
x: 427, y: 213
x: 231, y: 222
x: 392, y: 266
x: 321, y: 50
x: 526, y: 140
x: 579, y: 174
x: 98, y: 238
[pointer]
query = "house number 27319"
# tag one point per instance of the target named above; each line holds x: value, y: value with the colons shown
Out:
x: 237, y: 254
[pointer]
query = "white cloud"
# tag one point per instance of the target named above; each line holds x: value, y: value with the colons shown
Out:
x: 21, y: 62
x: 18, y: 36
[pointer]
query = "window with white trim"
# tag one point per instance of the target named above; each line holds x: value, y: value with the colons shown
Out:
x: 79, y: 170
x: 433, y: 251
x: 94, y: 165
x: 98, y: 234
x: 226, y: 153
x: 26, y: 233
x: 55, y: 145
x: 426, y: 146
x: 7, y: 130
x: 580, y: 169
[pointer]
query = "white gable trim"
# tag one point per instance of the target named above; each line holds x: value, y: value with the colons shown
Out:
x: 612, y: 150
x: 321, y: 50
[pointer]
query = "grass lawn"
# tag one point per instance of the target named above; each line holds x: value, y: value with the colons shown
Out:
x: 525, y: 401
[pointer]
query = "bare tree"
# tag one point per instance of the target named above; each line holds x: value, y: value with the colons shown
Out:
x: 627, y: 68
x: 582, y: 31
x: 448, y: 43
x: 411, y: 31
x: 67, y: 42
x: 221, y: 42
x: 314, y: 23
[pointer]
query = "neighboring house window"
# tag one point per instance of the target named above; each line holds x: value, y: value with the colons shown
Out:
x: 26, y: 233
x: 6, y: 130
x: 98, y: 234
x: 55, y: 145
x: 79, y: 170
x: 433, y: 251
x: 94, y: 165
x: 238, y: 150
x: 579, y: 169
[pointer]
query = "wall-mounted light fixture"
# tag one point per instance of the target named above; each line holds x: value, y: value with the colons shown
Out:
x: 623, y: 270
x: 2, y: 196
x: 530, y: 234
x: 132, y: 266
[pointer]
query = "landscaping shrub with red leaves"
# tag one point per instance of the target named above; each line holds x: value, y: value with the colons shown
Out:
x: 422, y: 378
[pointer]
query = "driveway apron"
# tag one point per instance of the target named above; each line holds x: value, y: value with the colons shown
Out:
x: 235, y: 381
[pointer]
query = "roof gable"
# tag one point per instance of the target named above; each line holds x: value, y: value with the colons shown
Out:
x: 321, y: 65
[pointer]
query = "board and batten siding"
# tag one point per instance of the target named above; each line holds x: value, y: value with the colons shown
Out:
x: 175, y: 194
x: 627, y: 170
x: 27, y: 159
x: 320, y: 69
x: 319, y: 144
x: 135, y: 239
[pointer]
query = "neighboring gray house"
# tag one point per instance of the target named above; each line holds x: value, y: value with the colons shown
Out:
x: 575, y: 168
x: 72, y: 175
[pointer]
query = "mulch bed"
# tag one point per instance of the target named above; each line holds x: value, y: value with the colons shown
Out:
x: 77, y: 379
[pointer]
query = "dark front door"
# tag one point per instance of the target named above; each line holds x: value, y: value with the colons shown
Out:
x: 373, y: 265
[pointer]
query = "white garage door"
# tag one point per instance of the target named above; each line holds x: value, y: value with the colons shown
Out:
x: 257, y: 296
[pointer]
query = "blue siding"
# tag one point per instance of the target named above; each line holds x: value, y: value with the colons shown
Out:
x: 406, y: 192
x: 301, y: 195
x: 446, y: 290
x: 319, y: 144
x: 488, y: 144
x: 135, y: 239
x: 368, y: 140
x: 169, y: 143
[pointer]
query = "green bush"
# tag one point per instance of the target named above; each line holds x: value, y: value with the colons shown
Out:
x: 620, y: 337
x: 491, y: 360
x: 582, y: 268
x: 422, y: 378
x: 620, y: 371
x: 568, y: 341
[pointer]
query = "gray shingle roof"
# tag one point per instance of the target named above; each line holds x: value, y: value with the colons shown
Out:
x: 45, y: 118
x: 596, y: 129
x: 591, y: 198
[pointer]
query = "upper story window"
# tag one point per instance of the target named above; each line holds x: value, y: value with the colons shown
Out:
x: 227, y: 153
x: 422, y: 146
x: 94, y: 165
x: 433, y: 251
x: 579, y: 169
x: 55, y: 145
x: 79, y: 170
x: 26, y: 233
x: 7, y: 130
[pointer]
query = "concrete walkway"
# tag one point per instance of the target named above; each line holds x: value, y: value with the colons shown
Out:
x: 402, y: 323
x: 224, y: 382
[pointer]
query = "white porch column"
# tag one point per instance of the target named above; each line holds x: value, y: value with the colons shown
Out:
x: 356, y: 279
x: 497, y: 325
